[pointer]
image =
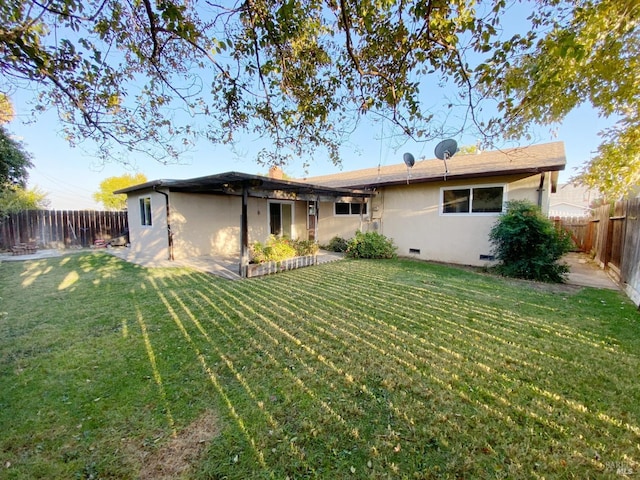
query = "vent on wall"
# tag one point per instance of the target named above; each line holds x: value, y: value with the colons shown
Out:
x: 487, y: 257
x: 414, y: 251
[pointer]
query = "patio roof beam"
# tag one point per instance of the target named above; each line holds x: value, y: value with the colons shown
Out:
x: 310, y: 197
x: 343, y: 195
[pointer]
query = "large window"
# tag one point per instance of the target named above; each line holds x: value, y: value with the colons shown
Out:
x: 145, y: 211
x: 470, y: 200
x: 342, y: 208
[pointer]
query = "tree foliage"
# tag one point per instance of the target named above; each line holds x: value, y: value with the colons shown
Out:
x: 14, y: 161
x: 303, y: 73
x: 528, y: 245
x: 468, y: 150
x: 615, y: 170
x: 109, y: 185
x: 16, y: 199
x: 6, y: 109
x: 590, y: 53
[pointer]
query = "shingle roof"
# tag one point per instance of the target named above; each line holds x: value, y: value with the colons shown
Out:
x: 547, y: 157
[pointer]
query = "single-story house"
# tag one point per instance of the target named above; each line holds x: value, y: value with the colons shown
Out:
x: 435, y: 210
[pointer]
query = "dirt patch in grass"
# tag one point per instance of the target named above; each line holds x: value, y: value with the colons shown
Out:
x: 176, y: 457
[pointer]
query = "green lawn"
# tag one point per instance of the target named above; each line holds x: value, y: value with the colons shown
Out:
x: 355, y: 369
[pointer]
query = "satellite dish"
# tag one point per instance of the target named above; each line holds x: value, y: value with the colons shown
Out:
x: 446, y: 149
x: 409, y: 160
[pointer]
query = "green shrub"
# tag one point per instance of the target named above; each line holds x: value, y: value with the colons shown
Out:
x: 305, y: 247
x: 528, y: 245
x: 370, y: 245
x: 276, y: 249
x: 257, y: 253
x: 337, y: 244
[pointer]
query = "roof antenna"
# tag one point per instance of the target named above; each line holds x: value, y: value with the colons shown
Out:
x: 380, y: 156
x: 444, y: 151
x: 409, y: 161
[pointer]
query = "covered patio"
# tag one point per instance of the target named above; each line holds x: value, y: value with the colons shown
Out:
x: 241, y: 186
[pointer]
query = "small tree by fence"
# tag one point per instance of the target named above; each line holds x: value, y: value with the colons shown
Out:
x: 61, y: 228
x: 612, y: 236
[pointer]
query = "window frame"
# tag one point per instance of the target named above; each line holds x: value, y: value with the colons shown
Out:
x: 146, y: 214
x: 363, y: 205
x: 293, y: 217
x: 470, y: 212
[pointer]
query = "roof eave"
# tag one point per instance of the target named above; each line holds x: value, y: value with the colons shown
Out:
x: 143, y: 186
x: 461, y: 176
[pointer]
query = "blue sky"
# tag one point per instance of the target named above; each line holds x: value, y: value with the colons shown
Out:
x: 70, y: 175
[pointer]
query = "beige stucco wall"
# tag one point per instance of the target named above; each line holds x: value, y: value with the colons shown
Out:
x: 205, y: 224
x: 331, y: 225
x: 150, y: 241
x: 410, y: 215
x: 210, y: 224
x: 300, y: 210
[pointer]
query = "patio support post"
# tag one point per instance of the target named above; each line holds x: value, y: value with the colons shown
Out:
x: 244, y: 235
x: 315, y: 234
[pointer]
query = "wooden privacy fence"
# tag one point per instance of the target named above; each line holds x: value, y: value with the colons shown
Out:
x: 61, y: 228
x: 612, y: 236
x: 580, y: 229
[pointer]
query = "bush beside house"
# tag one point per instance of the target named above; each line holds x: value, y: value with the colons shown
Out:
x: 370, y: 245
x: 528, y: 245
x: 337, y: 244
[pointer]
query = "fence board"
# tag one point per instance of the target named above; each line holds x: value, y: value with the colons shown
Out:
x: 617, y: 226
x: 579, y: 228
x: 630, y: 265
x: 601, y: 216
x: 61, y: 228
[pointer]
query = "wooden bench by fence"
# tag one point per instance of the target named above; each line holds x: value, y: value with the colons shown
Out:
x: 24, y: 248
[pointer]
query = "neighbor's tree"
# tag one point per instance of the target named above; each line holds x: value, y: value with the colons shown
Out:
x: 14, y: 161
x: 6, y: 109
x: 109, y: 185
x: 528, y: 245
x: 468, y: 150
x: 304, y: 72
x: 16, y: 199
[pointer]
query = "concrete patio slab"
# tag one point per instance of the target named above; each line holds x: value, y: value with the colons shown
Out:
x: 585, y: 273
x: 40, y: 254
x: 221, y: 266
